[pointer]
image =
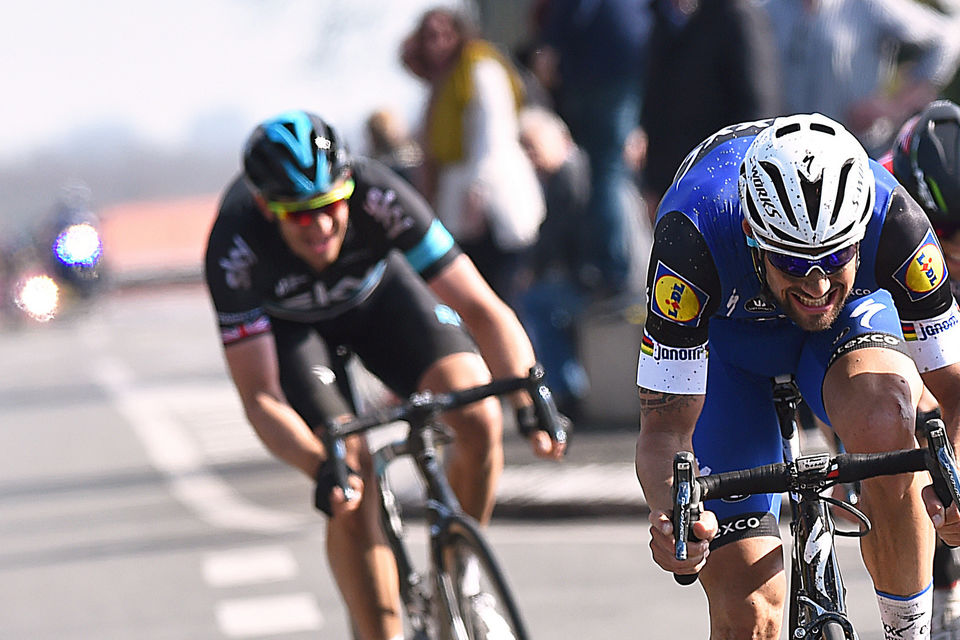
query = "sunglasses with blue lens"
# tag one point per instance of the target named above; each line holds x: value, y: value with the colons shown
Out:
x: 801, y: 267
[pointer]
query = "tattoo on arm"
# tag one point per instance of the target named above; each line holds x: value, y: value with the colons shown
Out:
x: 659, y: 402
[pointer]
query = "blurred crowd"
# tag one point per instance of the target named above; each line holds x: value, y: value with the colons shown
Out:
x: 547, y: 160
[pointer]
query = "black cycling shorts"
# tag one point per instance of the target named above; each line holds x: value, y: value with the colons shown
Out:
x: 398, y: 333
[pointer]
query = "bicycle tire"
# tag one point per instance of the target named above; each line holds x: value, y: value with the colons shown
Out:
x: 488, y: 612
x: 832, y: 631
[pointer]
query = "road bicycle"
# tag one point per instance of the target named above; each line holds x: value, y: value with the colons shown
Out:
x: 462, y: 594
x: 817, y: 595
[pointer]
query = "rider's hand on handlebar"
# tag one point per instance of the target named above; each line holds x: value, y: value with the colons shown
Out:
x: 338, y: 504
x: 328, y: 496
x: 543, y: 445
x: 663, y: 545
x: 945, y: 521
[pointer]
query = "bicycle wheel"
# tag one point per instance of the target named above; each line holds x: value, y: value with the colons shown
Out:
x: 475, y: 601
x: 833, y: 631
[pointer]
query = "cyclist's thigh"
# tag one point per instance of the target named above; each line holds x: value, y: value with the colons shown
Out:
x: 305, y: 373
x: 403, y: 330
x: 867, y: 322
x: 737, y: 429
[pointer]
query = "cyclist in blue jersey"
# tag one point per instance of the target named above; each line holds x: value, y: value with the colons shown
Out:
x: 313, y: 249
x: 781, y: 248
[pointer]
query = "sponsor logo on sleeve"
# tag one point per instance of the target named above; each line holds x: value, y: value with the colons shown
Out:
x: 677, y: 299
x: 920, y: 331
x: 653, y: 349
x: 925, y: 271
x: 237, y: 264
x: 385, y: 209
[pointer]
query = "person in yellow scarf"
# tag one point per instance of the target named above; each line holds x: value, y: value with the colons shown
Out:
x: 481, y: 184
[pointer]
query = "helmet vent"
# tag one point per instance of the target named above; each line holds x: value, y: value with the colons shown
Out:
x: 777, y: 180
x: 841, y: 187
x: 790, y: 128
x: 812, y: 192
x: 822, y: 128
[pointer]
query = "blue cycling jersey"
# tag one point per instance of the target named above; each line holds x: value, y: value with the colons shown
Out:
x: 714, y: 328
x: 702, y: 272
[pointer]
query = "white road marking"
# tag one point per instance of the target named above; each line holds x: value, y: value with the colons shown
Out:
x: 252, y: 565
x: 269, y: 615
x: 175, y: 454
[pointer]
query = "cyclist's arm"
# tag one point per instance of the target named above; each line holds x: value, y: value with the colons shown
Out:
x: 944, y: 383
x: 255, y: 372
x: 666, y: 427
x: 501, y: 338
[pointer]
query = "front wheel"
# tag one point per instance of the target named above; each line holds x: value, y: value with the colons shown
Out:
x: 475, y: 601
x: 833, y: 631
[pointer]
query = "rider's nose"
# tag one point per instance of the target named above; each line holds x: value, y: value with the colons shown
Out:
x: 324, y: 222
x: 816, y: 283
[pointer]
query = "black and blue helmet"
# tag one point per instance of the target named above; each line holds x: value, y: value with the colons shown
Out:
x: 926, y: 161
x: 293, y: 156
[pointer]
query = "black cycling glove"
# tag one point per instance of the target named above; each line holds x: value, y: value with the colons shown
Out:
x: 326, y: 481
x: 527, y: 421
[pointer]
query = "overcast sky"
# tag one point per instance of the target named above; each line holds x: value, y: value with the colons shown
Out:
x: 159, y: 67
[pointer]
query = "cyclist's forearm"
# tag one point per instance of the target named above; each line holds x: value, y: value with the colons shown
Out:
x: 654, y: 466
x: 285, y: 433
x: 944, y: 383
x: 666, y: 427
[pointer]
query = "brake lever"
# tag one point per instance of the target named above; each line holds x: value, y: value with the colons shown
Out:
x: 686, y: 509
x: 946, y: 480
x: 548, y: 416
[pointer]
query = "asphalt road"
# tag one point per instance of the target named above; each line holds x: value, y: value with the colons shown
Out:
x: 137, y: 504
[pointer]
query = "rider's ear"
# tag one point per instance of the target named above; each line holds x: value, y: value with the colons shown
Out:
x: 746, y: 228
x: 262, y: 205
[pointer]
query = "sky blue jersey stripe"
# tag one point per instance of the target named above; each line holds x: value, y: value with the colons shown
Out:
x: 436, y: 242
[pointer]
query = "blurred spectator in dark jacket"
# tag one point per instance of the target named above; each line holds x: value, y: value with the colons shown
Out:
x: 712, y: 63
x: 845, y: 59
x: 598, y: 48
x: 561, y: 276
x: 390, y: 142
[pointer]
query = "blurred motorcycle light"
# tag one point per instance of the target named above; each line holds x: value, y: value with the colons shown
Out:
x: 78, y: 245
x: 38, y: 296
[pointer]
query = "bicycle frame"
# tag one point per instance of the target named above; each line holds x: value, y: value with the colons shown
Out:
x: 817, y: 593
x: 437, y: 612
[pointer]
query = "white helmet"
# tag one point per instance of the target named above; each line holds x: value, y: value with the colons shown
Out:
x: 806, y: 187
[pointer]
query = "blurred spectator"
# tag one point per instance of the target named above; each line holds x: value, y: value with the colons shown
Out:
x: 391, y: 144
x: 482, y: 185
x: 711, y: 63
x: 843, y: 58
x: 598, y: 49
x: 559, y: 288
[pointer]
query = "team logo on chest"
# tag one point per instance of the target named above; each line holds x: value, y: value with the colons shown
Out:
x: 677, y: 299
x: 925, y: 271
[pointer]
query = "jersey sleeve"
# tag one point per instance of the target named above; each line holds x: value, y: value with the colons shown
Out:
x: 231, y: 273
x: 406, y: 220
x: 911, y: 266
x: 683, y: 291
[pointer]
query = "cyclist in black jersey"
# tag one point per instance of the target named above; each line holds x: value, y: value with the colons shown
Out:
x: 314, y: 249
x: 926, y: 160
x: 781, y: 249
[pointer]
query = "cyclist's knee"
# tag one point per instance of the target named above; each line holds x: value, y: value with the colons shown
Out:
x: 479, y: 426
x: 881, y: 419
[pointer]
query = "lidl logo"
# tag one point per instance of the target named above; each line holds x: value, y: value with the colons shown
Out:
x: 675, y: 298
x: 924, y: 271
